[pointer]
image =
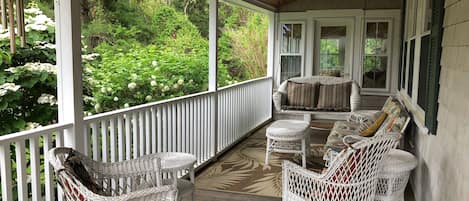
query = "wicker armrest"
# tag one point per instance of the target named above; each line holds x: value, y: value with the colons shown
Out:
x: 362, y: 116
x: 163, y: 193
x: 289, y: 167
x: 279, y: 99
x: 349, y: 140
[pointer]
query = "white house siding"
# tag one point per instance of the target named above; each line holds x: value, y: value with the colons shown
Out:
x: 443, y: 171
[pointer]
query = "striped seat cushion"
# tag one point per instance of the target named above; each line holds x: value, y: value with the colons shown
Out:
x: 301, y: 96
x: 335, y: 97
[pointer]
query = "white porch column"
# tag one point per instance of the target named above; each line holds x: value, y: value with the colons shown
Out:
x: 271, y: 44
x: 69, y: 70
x: 213, y: 72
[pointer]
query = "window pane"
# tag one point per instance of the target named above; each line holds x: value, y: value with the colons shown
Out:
x: 290, y: 67
x: 424, y: 56
x: 332, y: 50
x: 291, y: 38
x: 428, y: 15
x: 375, y: 72
x: 375, y: 63
x: 410, y: 78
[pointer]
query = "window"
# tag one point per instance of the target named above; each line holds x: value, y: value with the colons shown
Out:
x: 427, y: 21
x: 410, y: 73
x: 377, y: 54
x: 411, y: 18
x: 291, y: 50
x: 424, y: 56
x: 332, y: 50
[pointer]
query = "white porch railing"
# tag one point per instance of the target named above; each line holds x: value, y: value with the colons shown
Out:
x: 184, y: 124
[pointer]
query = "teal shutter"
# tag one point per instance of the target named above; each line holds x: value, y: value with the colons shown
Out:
x: 433, y: 71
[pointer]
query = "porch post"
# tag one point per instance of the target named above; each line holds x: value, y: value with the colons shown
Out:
x: 69, y: 70
x: 213, y: 73
x: 271, y: 50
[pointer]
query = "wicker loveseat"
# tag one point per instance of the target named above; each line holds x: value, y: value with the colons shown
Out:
x: 396, y: 121
x: 280, y: 99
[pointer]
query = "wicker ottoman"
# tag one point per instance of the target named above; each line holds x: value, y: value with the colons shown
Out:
x: 393, y: 178
x: 287, y: 136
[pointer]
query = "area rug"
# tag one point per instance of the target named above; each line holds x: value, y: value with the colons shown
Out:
x: 241, y: 169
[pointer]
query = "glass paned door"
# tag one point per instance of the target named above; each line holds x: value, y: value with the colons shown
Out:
x: 291, y: 50
x: 375, y: 62
x: 333, y: 48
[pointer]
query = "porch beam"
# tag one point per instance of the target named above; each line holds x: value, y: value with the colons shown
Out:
x: 69, y: 70
x: 213, y: 73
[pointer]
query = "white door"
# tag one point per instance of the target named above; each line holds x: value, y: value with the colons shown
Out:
x: 333, y: 47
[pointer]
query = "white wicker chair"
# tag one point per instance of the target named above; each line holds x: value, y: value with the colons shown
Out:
x: 137, y: 179
x: 351, y: 177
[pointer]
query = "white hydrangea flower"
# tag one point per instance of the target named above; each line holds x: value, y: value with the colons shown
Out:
x: 154, y: 63
x: 47, y: 67
x: 10, y: 86
x: 153, y: 77
x: 11, y: 70
x: 97, y: 107
x: 191, y: 81
x: 175, y: 86
x: 47, y: 99
x: 148, y: 98
x: 180, y: 81
x: 116, y: 99
x: 132, y: 85
x: 134, y: 76
x: 165, y: 88
x: 126, y: 105
x: 35, y: 11
x: 31, y: 125
x: 153, y: 83
x: 103, y: 90
x: 3, y: 92
x: 90, y: 57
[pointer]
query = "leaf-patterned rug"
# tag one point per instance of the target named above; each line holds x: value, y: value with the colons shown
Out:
x: 241, y: 169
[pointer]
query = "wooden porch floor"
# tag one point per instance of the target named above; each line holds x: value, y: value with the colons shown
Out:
x: 209, y: 195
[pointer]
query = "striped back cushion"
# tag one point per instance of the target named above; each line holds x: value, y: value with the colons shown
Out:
x: 335, y: 97
x: 301, y: 96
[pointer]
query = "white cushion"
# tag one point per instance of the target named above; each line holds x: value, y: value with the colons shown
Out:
x: 287, y: 129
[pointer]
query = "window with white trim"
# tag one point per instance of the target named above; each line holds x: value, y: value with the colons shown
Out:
x: 291, y: 50
x: 376, y: 59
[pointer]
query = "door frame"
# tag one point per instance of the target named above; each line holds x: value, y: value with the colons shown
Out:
x: 349, y: 23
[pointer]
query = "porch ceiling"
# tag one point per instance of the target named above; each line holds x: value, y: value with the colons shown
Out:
x: 273, y: 5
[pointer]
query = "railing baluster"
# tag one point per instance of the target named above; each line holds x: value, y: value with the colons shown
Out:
x: 112, y: 139
x: 135, y: 134
x: 120, y: 138
x: 147, y: 131
x: 141, y: 121
x: 191, y: 127
x: 184, y: 123
x: 5, y: 171
x: 179, y: 127
x: 35, y: 167
x: 104, y: 138
x: 153, y: 130
x: 48, y: 173
x: 86, y: 140
x: 160, y: 129
x: 21, y: 171
x: 95, y: 137
x: 174, y: 126
x: 164, y: 122
x: 128, y: 134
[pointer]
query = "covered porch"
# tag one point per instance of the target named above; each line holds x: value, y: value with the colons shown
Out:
x: 211, y: 124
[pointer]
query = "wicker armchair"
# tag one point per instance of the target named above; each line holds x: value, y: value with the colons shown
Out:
x: 138, y: 179
x: 352, y: 176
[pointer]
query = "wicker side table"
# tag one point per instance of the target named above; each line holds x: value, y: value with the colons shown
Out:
x: 287, y: 136
x: 394, y: 176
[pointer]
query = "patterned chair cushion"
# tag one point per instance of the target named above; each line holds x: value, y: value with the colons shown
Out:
x: 301, y: 96
x: 335, y: 97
